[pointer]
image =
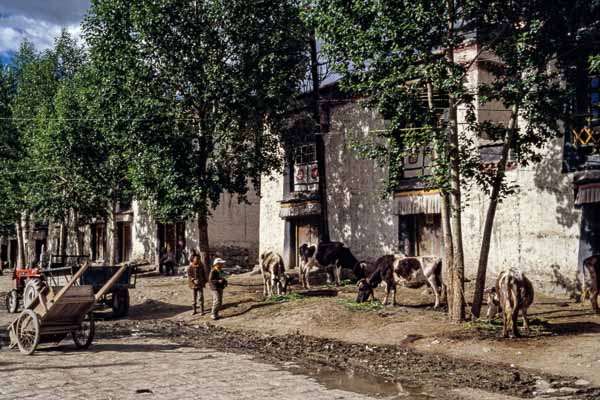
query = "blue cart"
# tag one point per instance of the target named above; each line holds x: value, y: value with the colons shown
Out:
x: 96, y: 276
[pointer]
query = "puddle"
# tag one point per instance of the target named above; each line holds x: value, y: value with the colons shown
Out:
x: 352, y: 381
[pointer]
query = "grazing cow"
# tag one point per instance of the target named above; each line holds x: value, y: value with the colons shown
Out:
x: 412, y: 272
x: 273, y: 273
x: 592, y: 265
x: 513, y: 293
x: 330, y: 255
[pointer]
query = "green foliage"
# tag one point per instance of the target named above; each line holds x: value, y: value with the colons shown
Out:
x: 283, y: 298
x: 372, y: 305
x: 193, y: 85
x: 61, y: 157
x: 389, y: 52
x: 595, y: 63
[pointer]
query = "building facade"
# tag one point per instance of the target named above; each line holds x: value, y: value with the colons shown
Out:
x: 546, y: 228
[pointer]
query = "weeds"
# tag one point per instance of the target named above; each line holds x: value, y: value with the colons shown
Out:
x: 352, y: 305
x: 283, y: 298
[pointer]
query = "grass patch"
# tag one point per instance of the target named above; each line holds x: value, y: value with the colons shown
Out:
x: 283, y: 298
x: 490, y: 325
x: 352, y: 305
x: 536, y: 325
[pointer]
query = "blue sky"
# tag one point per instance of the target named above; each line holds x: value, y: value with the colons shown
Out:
x: 39, y: 21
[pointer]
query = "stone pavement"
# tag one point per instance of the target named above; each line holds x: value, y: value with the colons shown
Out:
x: 144, y: 368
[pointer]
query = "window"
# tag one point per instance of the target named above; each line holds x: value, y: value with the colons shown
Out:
x: 306, y: 167
x: 582, y: 136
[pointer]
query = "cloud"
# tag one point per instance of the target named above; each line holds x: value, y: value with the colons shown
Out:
x: 39, y: 21
x: 57, y: 12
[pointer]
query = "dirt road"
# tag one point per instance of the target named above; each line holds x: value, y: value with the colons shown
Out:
x: 408, y: 344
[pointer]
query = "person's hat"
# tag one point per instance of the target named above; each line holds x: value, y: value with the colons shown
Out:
x: 218, y: 261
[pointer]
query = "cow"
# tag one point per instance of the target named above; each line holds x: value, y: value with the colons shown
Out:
x: 592, y: 265
x: 512, y: 293
x: 326, y: 255
x: 395, y: 269
x: 273, y: 273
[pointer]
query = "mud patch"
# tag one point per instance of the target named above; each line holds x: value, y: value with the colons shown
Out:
x: 372, y: 386
x: 394, y: 364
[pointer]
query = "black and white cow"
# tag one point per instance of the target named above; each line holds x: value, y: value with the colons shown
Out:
x: 396, y: 269
x: 330, y: 255
x: 273, y: 273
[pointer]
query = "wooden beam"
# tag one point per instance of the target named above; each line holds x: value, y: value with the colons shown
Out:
x: 111, y: 282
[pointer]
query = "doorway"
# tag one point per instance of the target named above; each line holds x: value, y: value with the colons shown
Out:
x: 173, y: 235
x: 307, y: 232
x: 421, y: 235
x: 124, y: 241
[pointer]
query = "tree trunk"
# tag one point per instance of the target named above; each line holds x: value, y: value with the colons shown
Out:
x: 20, y: 245
x: 448, y: 266
x: 320, y: 145
x: 203, y: 243
x: 448, y: 262
x: 458, y: 305
x: 76, y: 233
x: 27, y: 238
x: 491, y: 214
x: 64, y: 236
x: 113, y: 232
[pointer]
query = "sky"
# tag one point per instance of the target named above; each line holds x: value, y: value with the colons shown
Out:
x: 39, y: 21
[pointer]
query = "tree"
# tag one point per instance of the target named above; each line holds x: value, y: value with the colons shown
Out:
x: 529, y: 39
x: 201, y: 89
x: 14, y: 159
x: 393, y: 53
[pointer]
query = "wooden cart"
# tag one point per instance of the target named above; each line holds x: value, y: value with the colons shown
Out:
x: 58, y: 312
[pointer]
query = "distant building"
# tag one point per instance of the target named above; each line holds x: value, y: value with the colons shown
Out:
x: 233, y: 235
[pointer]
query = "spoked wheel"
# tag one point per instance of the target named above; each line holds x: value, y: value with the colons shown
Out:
x: 28, y: 331
x: 12, y: 301
x: 33, y: 287
x: 84, y: 336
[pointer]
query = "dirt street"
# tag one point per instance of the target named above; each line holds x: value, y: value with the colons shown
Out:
x: 411, y: 345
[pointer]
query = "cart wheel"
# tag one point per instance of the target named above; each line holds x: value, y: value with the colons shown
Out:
x: 28, y: 331
x: 84, y: 336
x: 12, y: 301
x: 33, y: 287
x: 120, y: 303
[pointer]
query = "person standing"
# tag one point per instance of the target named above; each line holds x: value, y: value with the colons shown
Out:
x: 168, y: 260
x: 196, y: 281
x: 217, y: 282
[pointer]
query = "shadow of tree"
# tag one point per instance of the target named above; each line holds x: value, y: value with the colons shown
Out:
x: 358, y: 214
x: 154, y: 309
x: 549, y: 177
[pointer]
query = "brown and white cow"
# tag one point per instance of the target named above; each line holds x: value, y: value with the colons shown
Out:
x: 513, y: 293
x: 398, y: 269
x: 326, y: 255
x: 273, y: 273
x: 592, y: 266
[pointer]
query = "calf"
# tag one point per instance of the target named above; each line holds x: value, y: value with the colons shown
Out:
x: 394, y: 269
x: 513, y: 293
x: 273, y: 273
x: 592, y: 265
x: 330, y: 255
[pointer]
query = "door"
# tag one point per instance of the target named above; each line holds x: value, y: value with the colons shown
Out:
x: 429, y: 235
x: 124, y: 243
x: 306, y: 232
x: 421, y: 235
